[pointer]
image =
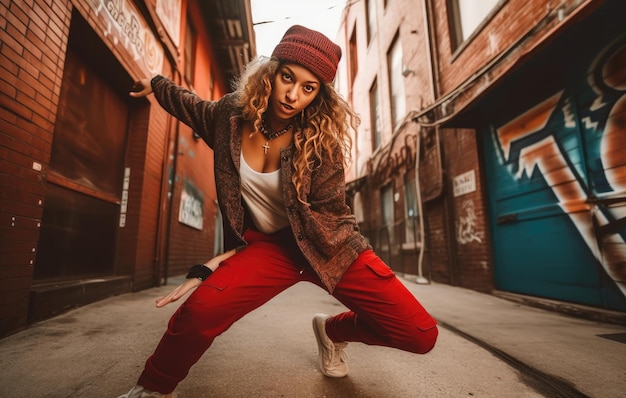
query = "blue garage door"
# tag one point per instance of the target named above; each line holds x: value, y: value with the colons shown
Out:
x: 556, y: 178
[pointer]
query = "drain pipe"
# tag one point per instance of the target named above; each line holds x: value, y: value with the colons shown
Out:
x: 433, y: 82
x: 422, y: 243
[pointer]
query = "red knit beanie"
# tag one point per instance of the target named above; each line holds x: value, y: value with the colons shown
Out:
x: 310, y: 49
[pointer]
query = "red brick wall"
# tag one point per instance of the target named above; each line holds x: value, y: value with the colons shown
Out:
x: 189, y: 246
x: 458, y: 246
x: 469, y: 231
x: 128, y: 244
x: 436, y: 256
x: 505, y: 40
x: 32, y: 48
x: 33, y: 40
x: 510, y: 23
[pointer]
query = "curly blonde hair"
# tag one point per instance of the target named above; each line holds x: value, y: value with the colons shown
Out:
x: 324, y: 125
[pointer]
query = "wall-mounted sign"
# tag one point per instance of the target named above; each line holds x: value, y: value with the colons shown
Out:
x: 191, y: 207
x: 169, y: 13
x: 124, y: 202
x: 464, y: 183
x: 122, y: 23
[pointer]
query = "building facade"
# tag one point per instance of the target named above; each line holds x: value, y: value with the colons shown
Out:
x: 510, y: 118
x: 101, y: 193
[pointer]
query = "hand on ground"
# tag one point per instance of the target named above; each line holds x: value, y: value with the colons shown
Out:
x: 178, y: 292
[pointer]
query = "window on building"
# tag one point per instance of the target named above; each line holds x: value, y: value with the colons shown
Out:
x: 190, y: 50
x: 375, y: 116
x: 396, y: 82
x: 466, y: 16
x: 411, y: 214
x: 370, y: 16
x: 353, y: 56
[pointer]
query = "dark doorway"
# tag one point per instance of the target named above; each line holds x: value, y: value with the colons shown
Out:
x: 84, y: 185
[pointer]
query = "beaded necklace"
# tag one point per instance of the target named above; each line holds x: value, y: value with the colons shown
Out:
x: 270, y: 135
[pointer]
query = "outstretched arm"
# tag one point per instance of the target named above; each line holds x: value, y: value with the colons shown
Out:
x: 192, y: 283
x: 180, y: 102
x: 141, y: 88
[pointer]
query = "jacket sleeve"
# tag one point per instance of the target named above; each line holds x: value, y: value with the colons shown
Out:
x: 186, y: 106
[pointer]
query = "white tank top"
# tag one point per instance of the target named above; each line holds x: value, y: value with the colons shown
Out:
x: 262, y: 193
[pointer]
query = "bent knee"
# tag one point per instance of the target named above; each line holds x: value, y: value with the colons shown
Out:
x: 423, y: 340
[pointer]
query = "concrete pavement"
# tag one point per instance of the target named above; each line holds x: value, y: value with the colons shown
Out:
x: 568, y: 356
x: 488, y: 347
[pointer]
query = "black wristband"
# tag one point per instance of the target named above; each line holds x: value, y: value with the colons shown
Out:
x: 199, y: 271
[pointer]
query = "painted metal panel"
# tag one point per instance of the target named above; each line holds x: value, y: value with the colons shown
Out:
x: 556, y: 178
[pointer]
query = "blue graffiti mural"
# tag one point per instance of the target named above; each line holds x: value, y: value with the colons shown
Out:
x: 574, y: 141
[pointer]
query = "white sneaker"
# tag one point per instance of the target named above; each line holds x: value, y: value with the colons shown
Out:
x: 333, y: 360
x: 140, y: 392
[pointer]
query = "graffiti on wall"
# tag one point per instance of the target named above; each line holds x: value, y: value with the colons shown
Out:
x: 191, y: 209
x: 466, y: 225
x: 466, y: 231
x: 123, y: 25
x: 594, y: 200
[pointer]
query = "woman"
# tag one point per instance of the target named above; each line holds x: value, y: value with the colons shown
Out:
x: 280, y: 143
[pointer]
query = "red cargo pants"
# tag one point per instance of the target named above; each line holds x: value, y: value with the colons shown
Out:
x: 382, y: 310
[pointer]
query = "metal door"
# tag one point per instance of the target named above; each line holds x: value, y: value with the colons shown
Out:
x: 556, y: 178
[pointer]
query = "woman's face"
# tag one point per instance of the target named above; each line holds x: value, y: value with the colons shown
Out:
x: 295, y: 87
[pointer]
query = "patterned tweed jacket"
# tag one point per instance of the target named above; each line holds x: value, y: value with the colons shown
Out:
x: 325, y: 231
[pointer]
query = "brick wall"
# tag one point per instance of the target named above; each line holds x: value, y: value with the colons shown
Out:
x: 33, y: 36
x: 469, y: 229
x: 510, y: 23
